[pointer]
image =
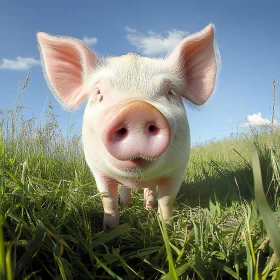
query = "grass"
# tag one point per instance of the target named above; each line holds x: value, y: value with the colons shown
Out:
x: 51, y: 213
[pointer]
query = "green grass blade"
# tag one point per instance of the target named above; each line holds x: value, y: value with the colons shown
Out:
x: 61, y: 268
x: 250, y: 271
x: 13, y: 177
x: 180, y: 270
x: 23, y: 174
x: 236, y: 262
x: 31, y: 275
x: 107, y: 269
x: 247, y: 222
x: 31, y: 250
x: 9, y: 265
x: 99, y: 263
x: 62, y: 264
x: 222, y: 266
x: 2, y: 250
x: 124, y: 263
x: 267, y: 214
x: 156, y: 267
x: 172, y: 271
x: 277, y: 273
x: 144, y: 252
x: 198, y: 272
x: 107, y: 237
x: 45, y: 181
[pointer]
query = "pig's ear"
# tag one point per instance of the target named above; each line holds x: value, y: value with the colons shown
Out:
x: 194, y: 59
x: 67, y: 63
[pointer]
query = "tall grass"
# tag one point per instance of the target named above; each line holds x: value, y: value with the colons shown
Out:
x: 51, y: 213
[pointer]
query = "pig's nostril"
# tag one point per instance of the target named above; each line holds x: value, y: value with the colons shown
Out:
x: 119, y: 135
x: 122, y: 131
x: 153, y: 129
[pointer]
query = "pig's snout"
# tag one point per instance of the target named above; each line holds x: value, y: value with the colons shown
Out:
x: 138, y: 130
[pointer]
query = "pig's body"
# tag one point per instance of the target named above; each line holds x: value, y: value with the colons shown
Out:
x: 135, y: 128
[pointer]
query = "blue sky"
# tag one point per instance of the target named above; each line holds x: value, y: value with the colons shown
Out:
x: 247, y: 32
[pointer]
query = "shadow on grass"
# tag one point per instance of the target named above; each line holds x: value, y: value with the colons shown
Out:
x: 224, y: 189
x: 227, y: 184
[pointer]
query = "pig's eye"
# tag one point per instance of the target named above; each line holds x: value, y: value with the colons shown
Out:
x: 172, y: 97
x: 171, y: 92
x: 99, y: 95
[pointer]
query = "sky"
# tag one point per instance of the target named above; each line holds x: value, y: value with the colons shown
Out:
x: 247, y: 33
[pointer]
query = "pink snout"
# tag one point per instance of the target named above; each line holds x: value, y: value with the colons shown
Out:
x: 138, y: 130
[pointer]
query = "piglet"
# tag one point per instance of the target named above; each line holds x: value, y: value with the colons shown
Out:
x: 135, y: 129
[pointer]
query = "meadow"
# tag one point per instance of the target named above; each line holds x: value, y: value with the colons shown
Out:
x: 225, y: 219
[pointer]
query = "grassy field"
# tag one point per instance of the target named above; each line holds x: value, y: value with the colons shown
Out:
x: 51, y: 213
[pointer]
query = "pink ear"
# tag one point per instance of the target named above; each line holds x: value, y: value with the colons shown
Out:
x: 195, y: 60
x: 67, y: 62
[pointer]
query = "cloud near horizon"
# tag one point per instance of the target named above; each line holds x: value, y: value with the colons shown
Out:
x: 257, y: 120
x: 20, y: 63
x: 155, y: 43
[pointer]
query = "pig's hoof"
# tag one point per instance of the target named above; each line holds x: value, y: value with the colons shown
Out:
x: 125, y: 196
x: 148, y: 205
x: 110, y: 221
x: 125, y: 201
x: 149, y: 198
x: 167, y: 221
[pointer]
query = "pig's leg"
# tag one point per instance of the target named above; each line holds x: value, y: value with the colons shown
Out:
x: 149, y: 197
x: 167, y: 192
x: 109, y: 189
x: 125, y: 195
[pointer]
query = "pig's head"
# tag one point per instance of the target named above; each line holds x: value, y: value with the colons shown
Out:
x: 135, y: 125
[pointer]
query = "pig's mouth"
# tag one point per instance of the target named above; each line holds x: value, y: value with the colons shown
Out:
x: 142, y: 157
x: 140, y: 161
x: 136, y: 162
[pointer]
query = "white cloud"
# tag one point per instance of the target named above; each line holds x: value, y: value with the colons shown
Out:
x: 20, y: 63
x: 154, y: 43
x: 257, y: 120
x: 131, y: 30
x: 89, y: 41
